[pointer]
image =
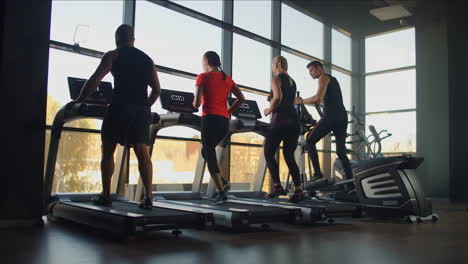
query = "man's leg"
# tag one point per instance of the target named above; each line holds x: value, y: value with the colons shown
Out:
x: 340, y: 137
x: 145, y: 166
x: 107, y: 166
x: 319, y: 131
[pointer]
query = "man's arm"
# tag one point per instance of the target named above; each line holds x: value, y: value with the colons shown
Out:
x: 93, y: 82
x: 277, y: 95
x: 239, y: 101
x: 318, y: 97
x: 155, y: 86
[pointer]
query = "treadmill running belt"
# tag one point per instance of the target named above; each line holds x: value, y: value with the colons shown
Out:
x: 132, y: 208
x: 227, y: 204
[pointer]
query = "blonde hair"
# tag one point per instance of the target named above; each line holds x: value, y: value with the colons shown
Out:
x: 282, y: 62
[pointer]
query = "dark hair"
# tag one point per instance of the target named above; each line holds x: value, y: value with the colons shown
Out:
x: 214, y: 61
x: 315, y: 64
x: 124, y: 34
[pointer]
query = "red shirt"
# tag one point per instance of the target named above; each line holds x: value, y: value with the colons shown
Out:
x: 215, y: 93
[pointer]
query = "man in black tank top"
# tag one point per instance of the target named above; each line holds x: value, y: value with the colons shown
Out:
x: 128, y: 117
x: 334, y: 119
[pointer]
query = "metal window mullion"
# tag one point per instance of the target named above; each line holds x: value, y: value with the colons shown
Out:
x: 392, y: 111
x: 327, y: 57
x: 227, y: 36
x: 399, y: 69
x: 129, y: 12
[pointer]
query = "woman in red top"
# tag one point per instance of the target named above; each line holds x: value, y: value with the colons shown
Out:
x: 212, y: 91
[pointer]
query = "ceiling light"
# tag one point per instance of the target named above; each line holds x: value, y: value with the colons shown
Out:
x: 390, y: 12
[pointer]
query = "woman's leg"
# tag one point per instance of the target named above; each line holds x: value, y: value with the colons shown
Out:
x: 214, y: 129
x: 272, y: 142
x: 289, y: 147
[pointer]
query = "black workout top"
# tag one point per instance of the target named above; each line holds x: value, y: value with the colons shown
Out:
x: 132, y: 70
x: 333, y: 100
x: 286, y: 107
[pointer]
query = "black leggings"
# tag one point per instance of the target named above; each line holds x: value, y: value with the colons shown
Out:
x: 213, y: 129
x: 323, y: 127
x: 286, y: 130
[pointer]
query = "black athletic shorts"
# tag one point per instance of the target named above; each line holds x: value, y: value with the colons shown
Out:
x: 127, y: 124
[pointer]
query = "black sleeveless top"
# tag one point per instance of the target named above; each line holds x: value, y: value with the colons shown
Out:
x: 333, y: 100
x: 286, y: 107
x: 132, y: 70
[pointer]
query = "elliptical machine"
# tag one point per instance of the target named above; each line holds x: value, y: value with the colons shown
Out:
x: 384, y: 187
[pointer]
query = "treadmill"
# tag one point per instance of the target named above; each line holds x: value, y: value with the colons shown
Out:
x: 247, y: 121
x: 231, y: 214
x: 123, y: 217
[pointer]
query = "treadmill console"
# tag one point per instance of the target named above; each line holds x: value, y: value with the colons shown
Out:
x: 103, y: 95
x: 176, y: 101
x: 247, y: 111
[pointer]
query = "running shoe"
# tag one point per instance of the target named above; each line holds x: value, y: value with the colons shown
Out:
x: 298, y: 196
x: 221, y: 198
x: 279, y: 191
x: 146, y: 204
x: 101, y: 199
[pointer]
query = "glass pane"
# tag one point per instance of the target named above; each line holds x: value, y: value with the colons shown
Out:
x: 164, y: 35
x: 261, y: 102
x: 341, y: 49
x: 392, y: 50
x: 207, y: 7
x: 345, y: 83
x: 391, y: 91
x: 244, y: 165
x: 301, y: 32
x: 251, y: 137
x: 402, y: 126
x: 309, y: 170
x: 172, y: 82
x: 94, y: 23
x: 174, y: 164
x: 64, y: 64
x: 254, y: 16
x: 297, y: 70
x: 251, y: 63
x: 78, y: 163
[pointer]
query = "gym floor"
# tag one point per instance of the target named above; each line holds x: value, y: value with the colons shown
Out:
x: 360, y: 241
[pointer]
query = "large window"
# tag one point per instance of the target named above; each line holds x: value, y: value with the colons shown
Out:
x: 61, y: 66
x: 172, y: 39
x: 251, y: 63
x: 392, y: 50
x: 207, y: 7
x: 78, y: 163
x: 174, y: 163
x: 341, y: 49
x: 391, y: 89
x: 177, y: 41
x: 301, y: 32
x: 254, y: 16
x: 91, y: 25
x: 403, y: 129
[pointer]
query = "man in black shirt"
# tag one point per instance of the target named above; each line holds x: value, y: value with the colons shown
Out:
x: 335, y: 118
x: 128, y: 118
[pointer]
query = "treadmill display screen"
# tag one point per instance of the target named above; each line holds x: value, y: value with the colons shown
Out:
x: 176, y: 101
x: 248, y: 110
x: 103, y: 95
